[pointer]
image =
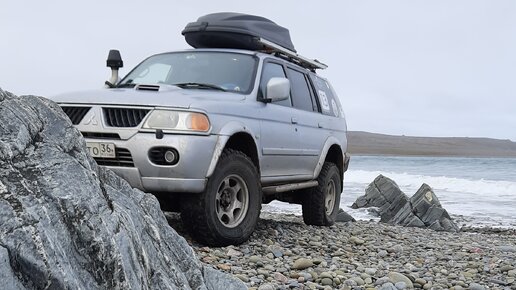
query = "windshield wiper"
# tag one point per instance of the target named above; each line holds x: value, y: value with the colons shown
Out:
x: 200, y: 86
x: 126, y: 85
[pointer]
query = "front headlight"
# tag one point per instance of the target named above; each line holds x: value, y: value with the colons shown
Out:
x: 177, y: 120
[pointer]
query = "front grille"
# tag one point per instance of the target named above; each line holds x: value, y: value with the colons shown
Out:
x: 123, y: 159
x: 124, y: 117
x: 76, y: 113
x: 99, y: 135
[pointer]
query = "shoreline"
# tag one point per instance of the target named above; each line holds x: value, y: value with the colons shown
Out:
x: 427, y: 156
x: 284, y: 253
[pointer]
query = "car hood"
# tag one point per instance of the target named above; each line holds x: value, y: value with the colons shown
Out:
x: 167, y: 96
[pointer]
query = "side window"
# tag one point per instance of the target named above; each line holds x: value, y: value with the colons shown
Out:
x: 300, y: 91
x: 329, y: 105
x: 272, y: 70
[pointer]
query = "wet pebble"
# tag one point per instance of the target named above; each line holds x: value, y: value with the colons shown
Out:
x: 284, y: 253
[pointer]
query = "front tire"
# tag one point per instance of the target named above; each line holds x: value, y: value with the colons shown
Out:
x: 227, y: 211
x: 321, y: 204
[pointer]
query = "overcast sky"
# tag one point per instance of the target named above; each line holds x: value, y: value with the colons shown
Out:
x: 421, y: 68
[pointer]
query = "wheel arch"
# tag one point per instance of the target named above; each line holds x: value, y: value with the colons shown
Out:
x: 334, y: 153
x: 238, y: 137
x: 244, y: 142
x: 335, y: 156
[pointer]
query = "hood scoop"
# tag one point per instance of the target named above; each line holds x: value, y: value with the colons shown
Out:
x: 153, y: 88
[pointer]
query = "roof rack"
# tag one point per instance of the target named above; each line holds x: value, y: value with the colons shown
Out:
x: 271, y: 47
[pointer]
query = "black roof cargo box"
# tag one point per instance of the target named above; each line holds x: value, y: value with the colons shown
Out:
x: 235, y: 30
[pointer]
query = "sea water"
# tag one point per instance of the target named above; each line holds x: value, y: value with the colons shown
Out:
x: 475, y: 191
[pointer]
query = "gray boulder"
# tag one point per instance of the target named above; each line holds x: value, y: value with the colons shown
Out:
x: 423, y: 209
x: 66, y: 223
x: 384, y: 194
x: 344, y: 217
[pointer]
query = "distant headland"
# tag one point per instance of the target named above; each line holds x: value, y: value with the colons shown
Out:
x: 364, y: 143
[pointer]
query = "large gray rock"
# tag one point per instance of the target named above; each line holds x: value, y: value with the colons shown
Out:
x: 423, y: 209
x: 66, y: 223
x: 344, y: 217
x: 385, y: 194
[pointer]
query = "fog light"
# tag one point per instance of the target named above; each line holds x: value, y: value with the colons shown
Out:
x: 167, y: 156
x: 170, y: 156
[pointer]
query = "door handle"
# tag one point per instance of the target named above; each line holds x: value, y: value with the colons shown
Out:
x: 320, y: 125
x: 293, y: 120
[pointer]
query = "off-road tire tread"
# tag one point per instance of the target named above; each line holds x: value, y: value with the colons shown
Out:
x: 314, y: 212
x: 194, y: 215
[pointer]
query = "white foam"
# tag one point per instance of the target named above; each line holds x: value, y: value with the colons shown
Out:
x: 479, y: 202
x: 488, y: 202
x: 505, y: 189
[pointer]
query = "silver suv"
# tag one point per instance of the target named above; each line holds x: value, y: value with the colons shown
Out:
x: 217, y: 132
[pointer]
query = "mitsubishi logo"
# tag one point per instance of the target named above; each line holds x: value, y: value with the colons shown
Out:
x: 92, y: 120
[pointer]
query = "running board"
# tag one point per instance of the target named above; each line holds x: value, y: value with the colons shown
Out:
x: 289, y: 187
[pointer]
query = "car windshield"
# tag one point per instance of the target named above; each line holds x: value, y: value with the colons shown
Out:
x: 196, y: 70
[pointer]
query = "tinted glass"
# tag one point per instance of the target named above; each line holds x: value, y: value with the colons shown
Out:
x: 272, y: 70
x: 300, y: 91
x: 329, y: 105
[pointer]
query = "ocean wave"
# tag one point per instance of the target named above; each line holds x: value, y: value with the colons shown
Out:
x: 479, y: 202
x: 412, y: 182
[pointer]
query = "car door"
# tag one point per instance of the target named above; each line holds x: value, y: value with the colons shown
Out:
x: 279, y: 139
x: 308, y: 120
x: 332, y: 114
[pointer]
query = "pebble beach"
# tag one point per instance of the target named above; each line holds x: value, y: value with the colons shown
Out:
x: 284, y: 253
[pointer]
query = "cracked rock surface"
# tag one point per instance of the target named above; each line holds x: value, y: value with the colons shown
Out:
x: 66, y: 223
x: 422, y: 210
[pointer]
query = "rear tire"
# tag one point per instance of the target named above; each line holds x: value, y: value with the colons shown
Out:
x: 227, y: 211
x: 321, y: 203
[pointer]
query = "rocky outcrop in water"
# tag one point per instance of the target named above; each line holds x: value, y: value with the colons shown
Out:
x: 422, y: 210
x: 66, y: 223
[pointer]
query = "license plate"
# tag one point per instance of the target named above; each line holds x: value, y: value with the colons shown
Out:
x: 101, y: 149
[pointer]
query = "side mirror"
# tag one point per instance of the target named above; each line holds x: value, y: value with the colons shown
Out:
x: 114, y: 61
x: 278, y: 89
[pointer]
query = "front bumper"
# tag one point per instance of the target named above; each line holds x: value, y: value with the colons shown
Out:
x: 188, y: 175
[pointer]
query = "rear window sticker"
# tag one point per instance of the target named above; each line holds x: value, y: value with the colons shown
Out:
x: 324, y: 100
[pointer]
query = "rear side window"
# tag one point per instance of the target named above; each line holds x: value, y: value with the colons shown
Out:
x: 329, y: 105
x: 272, y: 70
x: 300, y: 91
